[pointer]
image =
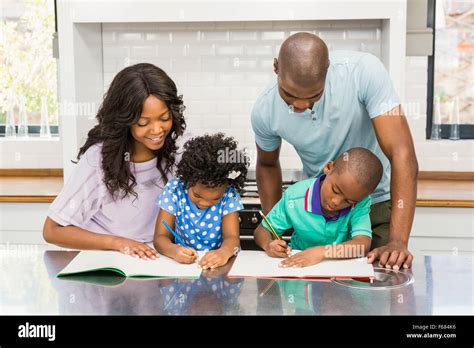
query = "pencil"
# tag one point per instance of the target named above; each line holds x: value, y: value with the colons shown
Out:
x: 268, y: 287
x: 176, y: 237
x: 271, y: 227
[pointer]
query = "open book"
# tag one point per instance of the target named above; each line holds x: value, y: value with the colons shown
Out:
x: 128, y: 266
x: 258, y: 264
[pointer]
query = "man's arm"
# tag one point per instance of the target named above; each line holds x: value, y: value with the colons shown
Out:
x: 269, y: 181
x: 394, y: 138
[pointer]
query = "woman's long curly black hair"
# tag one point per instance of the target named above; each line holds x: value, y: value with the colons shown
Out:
x: 121, y: 108
x: 210, y: 159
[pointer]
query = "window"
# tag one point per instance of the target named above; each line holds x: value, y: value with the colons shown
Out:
x: 28, y: 70
x: 451, y: 70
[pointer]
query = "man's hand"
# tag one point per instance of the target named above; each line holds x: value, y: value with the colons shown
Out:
x: 304, y: 258
x: 392, y: 255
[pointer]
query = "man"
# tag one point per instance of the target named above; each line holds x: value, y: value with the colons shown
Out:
x: 324, y: 104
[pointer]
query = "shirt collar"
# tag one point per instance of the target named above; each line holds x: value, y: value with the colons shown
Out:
x: 312, y: 201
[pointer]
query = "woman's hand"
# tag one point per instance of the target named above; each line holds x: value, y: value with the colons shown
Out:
x: 134, y: 248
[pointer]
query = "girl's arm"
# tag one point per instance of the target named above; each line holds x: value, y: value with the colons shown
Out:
x: 231, y: 236
x: 74, y: 237
x: 163, y: 240
x: 230, y: 233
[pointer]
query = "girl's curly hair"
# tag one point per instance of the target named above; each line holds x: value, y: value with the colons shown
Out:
x: 121, y: 108
x: 212, y: 160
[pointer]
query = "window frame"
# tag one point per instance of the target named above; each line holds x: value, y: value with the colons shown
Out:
x: 466, y: 131
x: 34, y: 129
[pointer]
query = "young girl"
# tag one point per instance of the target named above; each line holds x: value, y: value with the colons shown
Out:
x: 201, y: 203
x: 108, y: 202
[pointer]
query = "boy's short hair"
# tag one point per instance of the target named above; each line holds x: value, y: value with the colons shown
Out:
x: 362, y: 164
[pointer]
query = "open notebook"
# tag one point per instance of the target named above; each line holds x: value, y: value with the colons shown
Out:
x: 128, y: 266
x: 259, y: 265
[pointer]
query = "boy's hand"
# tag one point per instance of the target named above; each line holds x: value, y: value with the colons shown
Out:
x: 134, y: 248
x: 185, y: 255
x: 277, y: 248
x: 304, y: 258
x: 213, y: 259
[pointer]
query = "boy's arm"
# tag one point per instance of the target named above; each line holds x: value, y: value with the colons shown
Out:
x: 273, y: 247
x: 280, y: 223
x: 356, y: 247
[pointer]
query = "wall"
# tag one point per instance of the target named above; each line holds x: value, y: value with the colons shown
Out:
x: 222, y: 67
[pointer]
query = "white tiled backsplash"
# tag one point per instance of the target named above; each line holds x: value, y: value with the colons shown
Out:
x: 222, y: 67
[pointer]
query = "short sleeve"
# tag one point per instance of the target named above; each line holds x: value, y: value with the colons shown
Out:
x: 278, y: 217
x: 360, y: 219
x: 82, y: 194
x: 232, y: 202
x: 376, y: 90
x: 168, y: 199
x: 265, y: 138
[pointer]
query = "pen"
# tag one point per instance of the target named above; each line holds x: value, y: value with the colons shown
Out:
x: 176, y: 237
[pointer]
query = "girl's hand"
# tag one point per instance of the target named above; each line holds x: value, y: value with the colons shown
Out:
x: 278, y: 248
x: 134, y: 248
x: 213, y: 259
x: 216, y: 272
x: 185, y: 255
x: 304, y: 258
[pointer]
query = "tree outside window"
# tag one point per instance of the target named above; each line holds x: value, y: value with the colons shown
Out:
x: 27, y: 66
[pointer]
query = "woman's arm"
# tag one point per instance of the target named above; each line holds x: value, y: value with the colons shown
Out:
x: 74, y: 237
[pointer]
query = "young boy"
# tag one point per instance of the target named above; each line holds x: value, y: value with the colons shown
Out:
x: 329, y: 214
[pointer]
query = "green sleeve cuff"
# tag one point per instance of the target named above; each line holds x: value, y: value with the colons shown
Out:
x: 367, y: 233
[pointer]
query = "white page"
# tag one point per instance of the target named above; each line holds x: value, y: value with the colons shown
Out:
x: 258, y: 264
x: 162, y: 267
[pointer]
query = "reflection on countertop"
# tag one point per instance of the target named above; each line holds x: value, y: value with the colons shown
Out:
x: 28, y: 285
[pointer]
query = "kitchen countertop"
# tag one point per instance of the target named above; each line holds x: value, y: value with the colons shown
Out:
x: 28, y: 286
x: 446, y: 192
